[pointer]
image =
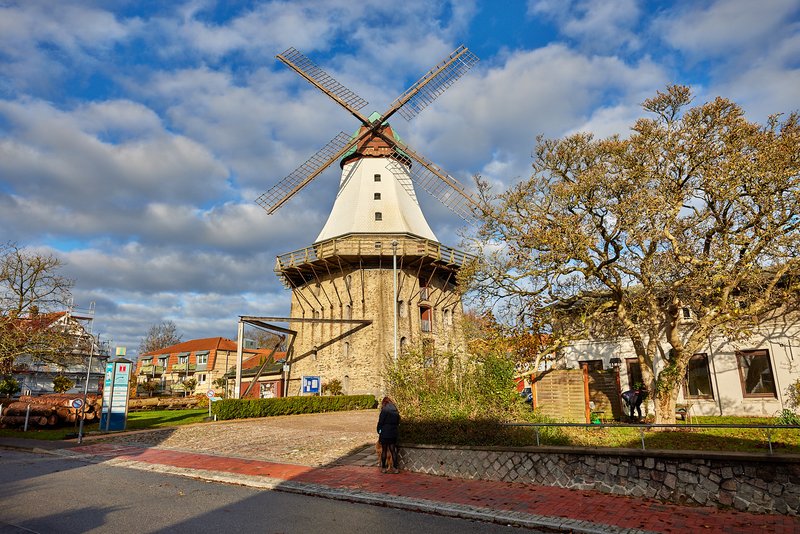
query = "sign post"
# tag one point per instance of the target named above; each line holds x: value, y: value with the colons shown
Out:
x: 210, y: 395
x: 115, y: 393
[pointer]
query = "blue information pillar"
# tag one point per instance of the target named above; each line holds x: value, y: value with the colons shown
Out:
x: 115, y: 394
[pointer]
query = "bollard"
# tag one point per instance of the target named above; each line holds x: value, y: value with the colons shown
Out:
x: 27, y: 416
x: 641, y: 434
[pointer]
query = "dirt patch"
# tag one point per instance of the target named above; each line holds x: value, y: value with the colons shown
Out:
x: 310, y: 439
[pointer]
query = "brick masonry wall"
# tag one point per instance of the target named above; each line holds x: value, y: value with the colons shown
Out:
x: 745, y: 482
x: 367, y: 294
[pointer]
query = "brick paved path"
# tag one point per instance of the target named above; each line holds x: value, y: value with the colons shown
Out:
x: 602, y: 511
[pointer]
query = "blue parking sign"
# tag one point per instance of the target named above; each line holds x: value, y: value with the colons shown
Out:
x: 311, y: 384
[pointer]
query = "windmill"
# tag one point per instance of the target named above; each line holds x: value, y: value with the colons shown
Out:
x: 348, y: 291
x: 375, y: 137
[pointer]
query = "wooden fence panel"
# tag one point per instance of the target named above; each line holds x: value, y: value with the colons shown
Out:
x: 560, y: 394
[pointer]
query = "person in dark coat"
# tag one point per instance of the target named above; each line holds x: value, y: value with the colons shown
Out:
x: 633, y: 398
x: 388, y: 421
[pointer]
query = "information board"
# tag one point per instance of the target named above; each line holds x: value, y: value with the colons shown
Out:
x: 115, y: 395
x: 311, y: 384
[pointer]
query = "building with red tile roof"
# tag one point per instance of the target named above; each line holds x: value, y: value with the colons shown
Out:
x: 207, y: 360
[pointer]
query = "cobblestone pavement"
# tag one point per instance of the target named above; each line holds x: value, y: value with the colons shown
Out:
x: 310, y: 439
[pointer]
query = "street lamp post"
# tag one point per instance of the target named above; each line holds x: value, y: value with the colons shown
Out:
x: 394, y: 294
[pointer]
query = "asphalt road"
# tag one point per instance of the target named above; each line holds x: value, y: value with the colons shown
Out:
x: 49, y: 494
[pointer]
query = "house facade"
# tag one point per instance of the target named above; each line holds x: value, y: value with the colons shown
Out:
x: 204, y: 360
x: 744, y: 377
x: 35, y: 374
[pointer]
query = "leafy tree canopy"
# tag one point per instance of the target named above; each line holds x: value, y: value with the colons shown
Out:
x: 698, y: 208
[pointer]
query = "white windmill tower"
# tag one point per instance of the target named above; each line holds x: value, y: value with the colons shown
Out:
x: 376, y: 280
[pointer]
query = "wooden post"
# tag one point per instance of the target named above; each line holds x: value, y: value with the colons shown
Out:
x: 587, y: 409
x: 534, y: 400
x: 619, y: 393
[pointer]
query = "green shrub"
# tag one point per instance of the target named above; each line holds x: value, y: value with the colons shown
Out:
x: 332, y: 387
x: 62, y: 384
x: 480, y: 432
x: 9, y: 386
x: 246, y: 408
x: 448, y: 386
x: 788, y: 417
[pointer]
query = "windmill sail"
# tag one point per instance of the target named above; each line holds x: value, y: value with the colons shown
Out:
x: 435, y: 82
x: 281, y: 192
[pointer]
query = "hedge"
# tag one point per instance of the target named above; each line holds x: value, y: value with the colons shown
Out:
x: 245, y: 408
x: 473, y: 432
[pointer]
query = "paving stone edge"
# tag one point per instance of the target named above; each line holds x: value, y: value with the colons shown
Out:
x: 518, y: 519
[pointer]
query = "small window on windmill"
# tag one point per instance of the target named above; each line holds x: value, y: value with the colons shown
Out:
x: 377, y: 177
x: 378, y: 216
x: 377, y: 196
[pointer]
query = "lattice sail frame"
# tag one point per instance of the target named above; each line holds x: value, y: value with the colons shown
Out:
x: 435, y: 82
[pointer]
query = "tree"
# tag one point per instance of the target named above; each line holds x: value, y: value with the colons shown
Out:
x: 62, y: 384
x: 9, y: 386
x: 697, y: 209
x: 159, y: 336
x: 189, y: 386
x: 150, y: 387
x: 30, y: 286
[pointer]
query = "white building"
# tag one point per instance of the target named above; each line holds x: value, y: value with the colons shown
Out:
x: 742, y: 377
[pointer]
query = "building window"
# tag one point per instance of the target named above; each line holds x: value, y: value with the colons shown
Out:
x: 378, y: 216
x: 202, y: 359
x: 348, y: 280
x: 424, y: 293
x: 377, y: 196
x: 448, y: 317
x: 593, y: 365
x: 202, y: 378
x: 162, y: 361
x: 346, y: 349
x: 183, y: 359
x: 348, y: 311
x: 403, y: 345
x: 426, y: 319
x: 377, y: 177
x: 401, y: 309
x: 755, y: 373
x: 687, y: 313
x: 698, y: 379
x: 634, y: 372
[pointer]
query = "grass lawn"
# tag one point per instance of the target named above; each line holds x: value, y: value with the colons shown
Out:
x: 708, y: 439
x: 136, y: 421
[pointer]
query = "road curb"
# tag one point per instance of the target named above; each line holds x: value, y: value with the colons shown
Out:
x: 461, y: 511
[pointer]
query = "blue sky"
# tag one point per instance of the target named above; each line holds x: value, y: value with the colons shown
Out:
x: 135, y: 136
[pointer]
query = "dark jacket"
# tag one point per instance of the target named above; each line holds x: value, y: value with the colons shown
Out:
x: 388, y: 421
x: 633, y: 397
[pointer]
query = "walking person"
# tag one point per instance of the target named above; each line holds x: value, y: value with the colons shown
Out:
x: 388, y: 421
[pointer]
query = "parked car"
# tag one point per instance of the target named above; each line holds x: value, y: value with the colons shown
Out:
x: 527, y: 394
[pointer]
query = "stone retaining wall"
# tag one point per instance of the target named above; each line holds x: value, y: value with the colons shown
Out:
x: 746, y: 482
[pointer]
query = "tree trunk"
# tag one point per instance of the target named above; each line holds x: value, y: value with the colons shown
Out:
x: 665, y: 400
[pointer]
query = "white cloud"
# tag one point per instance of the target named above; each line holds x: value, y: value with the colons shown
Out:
x: 599, y: 26
x: 727, y: 27
x: 56, y: 155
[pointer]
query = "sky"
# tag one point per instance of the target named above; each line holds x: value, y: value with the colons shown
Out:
x: 136, y: 135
